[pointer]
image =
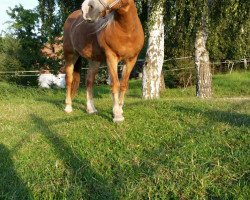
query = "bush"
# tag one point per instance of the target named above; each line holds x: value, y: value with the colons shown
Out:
x: 179, y: 73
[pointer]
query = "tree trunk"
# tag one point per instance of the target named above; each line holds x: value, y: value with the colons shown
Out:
x: 203, y: 69
x: 162, y: 82
x: 155, y: 54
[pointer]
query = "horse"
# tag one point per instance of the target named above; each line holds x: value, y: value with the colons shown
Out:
x: 102, y: 31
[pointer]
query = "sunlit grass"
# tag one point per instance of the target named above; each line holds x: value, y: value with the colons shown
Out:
x: 178, y: 147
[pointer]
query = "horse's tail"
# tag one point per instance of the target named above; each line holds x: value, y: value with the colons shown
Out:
x: 76, y: 77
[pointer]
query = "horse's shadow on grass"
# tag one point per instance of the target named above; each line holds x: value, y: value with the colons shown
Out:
x: 78, y: 105
x: 11, y: 186
x: 60, y: 104
x: 107, y: 115
x: 93, y: 185
x: 78, y: 102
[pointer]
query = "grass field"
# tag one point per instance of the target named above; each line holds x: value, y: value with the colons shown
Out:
x: 178, y: 147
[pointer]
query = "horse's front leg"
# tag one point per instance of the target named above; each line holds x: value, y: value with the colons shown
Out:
x: 128, y: 67
x: 92, y: 71
x: 112, y: 62
x: 69, y: 68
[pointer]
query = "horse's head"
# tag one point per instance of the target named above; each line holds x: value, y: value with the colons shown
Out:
x: 94, y: 9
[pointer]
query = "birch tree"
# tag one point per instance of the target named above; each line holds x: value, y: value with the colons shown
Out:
x: 155, y: 51
x: 203, y: 70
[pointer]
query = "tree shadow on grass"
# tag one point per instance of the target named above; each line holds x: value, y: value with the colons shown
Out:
x: 11, y: 186
x: 93, y: 185
x: 232, y: 118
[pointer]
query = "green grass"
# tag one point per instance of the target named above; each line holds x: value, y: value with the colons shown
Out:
x: 178, y: 147
x: 237, y: 84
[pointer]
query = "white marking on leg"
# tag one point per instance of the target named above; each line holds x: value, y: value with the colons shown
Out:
x: 92, y: 71
x: 68, y: 108
x: 69, y: 79
x: 117, y: 109
x: 90, y: 103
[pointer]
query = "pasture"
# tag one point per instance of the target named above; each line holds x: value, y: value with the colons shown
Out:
x: 178, y: 147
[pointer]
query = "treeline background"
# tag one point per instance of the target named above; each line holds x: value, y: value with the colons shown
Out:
x: 228, y: 36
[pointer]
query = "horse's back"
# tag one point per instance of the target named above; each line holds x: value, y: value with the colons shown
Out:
x: 68, y: 47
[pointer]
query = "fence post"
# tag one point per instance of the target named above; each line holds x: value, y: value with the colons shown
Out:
x: 245, y: 63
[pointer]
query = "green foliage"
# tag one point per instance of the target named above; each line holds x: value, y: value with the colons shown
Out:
x: 178, y: 147
x: 9, y: 54
x: 228, y: 24
x: 229, y: 36
x: 20, y: 49
x: 181, y: 21
x: 228, y: 27
x: 51, y: 21
x: 10, y: 50
x: 25, y: 21
x: 179, y: 78
x: 25, y: 29
x: 53, y: 18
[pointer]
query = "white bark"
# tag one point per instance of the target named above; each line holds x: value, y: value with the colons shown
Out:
x: 154, y: 56
x: 204, y: 76
x: 202, y: 62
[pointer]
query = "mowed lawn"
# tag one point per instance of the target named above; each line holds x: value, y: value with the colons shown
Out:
x: 178, y: 147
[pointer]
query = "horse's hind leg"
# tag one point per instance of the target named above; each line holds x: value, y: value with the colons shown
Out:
x: 128, y: 67
x: 69, y: 68
x: 92, y: 71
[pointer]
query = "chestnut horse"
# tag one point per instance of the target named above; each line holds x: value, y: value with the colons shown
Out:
x: 102, y: 31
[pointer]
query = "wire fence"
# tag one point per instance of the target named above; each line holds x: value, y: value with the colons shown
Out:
x: 230, y: 66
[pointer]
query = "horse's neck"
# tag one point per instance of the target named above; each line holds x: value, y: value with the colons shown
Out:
x: 127, y: 17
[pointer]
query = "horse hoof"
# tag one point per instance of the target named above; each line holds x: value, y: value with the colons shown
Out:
x: 91, y: 112
x: 68, y: 109
x: 118, y: 119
